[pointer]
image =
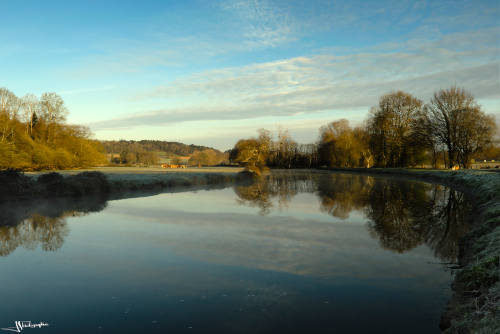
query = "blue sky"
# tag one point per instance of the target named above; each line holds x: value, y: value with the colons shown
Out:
x: 212, y: 72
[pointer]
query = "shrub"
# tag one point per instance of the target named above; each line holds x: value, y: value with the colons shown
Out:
x: 13, y: 183
x: 87, y: 183
x: 52, y: 184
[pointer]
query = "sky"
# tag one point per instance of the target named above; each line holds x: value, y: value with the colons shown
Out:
x: 212, y: 72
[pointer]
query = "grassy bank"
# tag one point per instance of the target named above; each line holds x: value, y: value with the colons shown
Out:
x: 474, y: 307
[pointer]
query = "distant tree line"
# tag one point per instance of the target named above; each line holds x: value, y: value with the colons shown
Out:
x: 208, y: 157
x: 130, y: 152
x: 34, y: 134
x: 401, y: 131
x: 148, y: 152
x: 117, y: 146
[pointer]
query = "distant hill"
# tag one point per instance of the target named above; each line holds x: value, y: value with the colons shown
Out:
x: 168, y: 147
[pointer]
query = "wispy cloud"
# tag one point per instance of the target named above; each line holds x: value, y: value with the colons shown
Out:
x: 247, y: 26
x: 327, y: 82
x: 263, y: 24
x: 256, y: 25
x: 481, y: 79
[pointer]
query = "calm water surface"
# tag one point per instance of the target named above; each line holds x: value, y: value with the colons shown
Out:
x: 296, y: 253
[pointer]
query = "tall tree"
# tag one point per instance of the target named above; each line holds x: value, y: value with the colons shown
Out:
x: 9, y: 106
x: 30, y: 105
x: 339, y: 145
x: 284, y: 149
x: 53, y: 111
x: 457, y: 122
x: 476, y: 134
x: 9, y: 103
x: 390, y: 125
x: 53, y: 108
x: 252, y: 153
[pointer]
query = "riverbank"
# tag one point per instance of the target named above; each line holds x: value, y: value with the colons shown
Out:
x: 112, y: 182
x: 475, y: 304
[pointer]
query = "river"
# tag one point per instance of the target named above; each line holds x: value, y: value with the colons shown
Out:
x: 292, y: 253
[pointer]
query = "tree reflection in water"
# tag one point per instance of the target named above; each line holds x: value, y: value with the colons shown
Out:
x: 401, y: 214
x: 341, y: 193
x: 265, y: 191
x: 41, y: 223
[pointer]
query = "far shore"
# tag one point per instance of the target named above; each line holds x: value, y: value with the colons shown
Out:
x: 142, y: 170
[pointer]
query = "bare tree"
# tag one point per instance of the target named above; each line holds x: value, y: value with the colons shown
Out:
x: 390, y: 126
x: 30, y: 105
x: 53, y: 108
x: 476, y: 134
x: 285, y: 148
x: 252, y: 153
x: 9, y: 107
x: 53, y: 112
x: 362, y: 139
x: 340, y: 145
x: 423, y: 136
x: 457, y: 122
x: 9, y: 103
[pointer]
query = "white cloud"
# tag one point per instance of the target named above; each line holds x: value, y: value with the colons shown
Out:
x: 257, y: 25
x: 262, y: 23
x: 244, y: 26
x: 327, y: 82
x: 481, y: 80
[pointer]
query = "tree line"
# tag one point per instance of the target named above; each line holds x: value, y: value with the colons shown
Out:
x: 401, y: 131
x: 150, y: 152
x: 34, y: 134
x: 208, y: 157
